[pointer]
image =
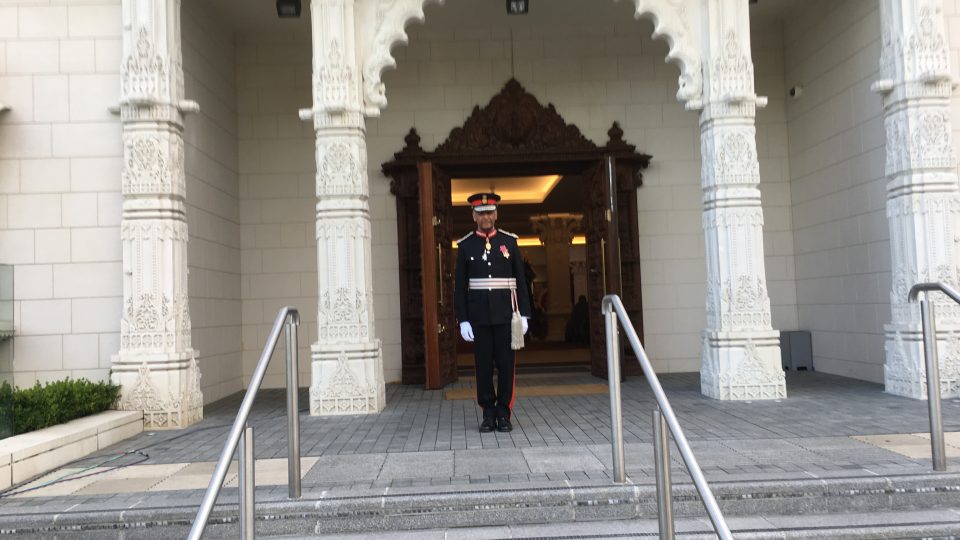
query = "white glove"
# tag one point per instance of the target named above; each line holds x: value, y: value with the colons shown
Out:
x: 524, y: 319
x: 467, y: 331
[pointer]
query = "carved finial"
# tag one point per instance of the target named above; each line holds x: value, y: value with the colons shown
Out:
x: 616, y: 137
x: 413, y: 143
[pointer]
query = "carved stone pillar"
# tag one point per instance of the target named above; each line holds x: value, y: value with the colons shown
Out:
x: 922, y: 195
x: 156, y: 364
x: 556, y: 232
x: 741, y: 350
x: 347, y: 370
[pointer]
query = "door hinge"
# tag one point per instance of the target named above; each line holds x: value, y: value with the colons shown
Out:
x: 609, y: 214
x: 435, y: 221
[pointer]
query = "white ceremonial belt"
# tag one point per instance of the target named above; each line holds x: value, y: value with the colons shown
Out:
x: 493, y: 283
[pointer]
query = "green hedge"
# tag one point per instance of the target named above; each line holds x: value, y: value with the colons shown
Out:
x: 6, y: 410
x: 30, y: 409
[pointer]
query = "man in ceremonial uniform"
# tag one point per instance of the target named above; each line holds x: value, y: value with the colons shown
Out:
x: 489, y: 284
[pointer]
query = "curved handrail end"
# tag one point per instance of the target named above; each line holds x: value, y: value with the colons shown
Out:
x: 932, y: 286
x: 606, y: 304
x: 294, y: 314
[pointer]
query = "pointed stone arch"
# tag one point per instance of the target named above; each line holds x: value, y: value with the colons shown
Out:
x: 676, y: 21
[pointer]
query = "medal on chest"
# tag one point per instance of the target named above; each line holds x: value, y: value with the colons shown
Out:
x: 486, y: 242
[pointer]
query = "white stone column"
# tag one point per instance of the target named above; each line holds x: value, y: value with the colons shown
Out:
x: 556, y: 232
x: 741, y: 350
x: 347, y: 369
x: 156, y: 364
x: 922, y: 194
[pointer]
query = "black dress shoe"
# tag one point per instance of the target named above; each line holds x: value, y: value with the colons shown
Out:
x: 504, y: 425
x: 488, y: 425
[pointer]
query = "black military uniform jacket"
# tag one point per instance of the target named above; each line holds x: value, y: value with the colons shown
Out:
x: 482, y: 306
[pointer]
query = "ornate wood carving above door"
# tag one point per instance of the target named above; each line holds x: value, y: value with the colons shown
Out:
x: 514, y: 122
x: 513, y: 135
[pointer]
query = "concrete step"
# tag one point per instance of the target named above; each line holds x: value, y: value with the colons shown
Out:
x: 456, y: 507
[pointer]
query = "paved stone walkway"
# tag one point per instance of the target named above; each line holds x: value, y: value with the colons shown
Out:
x: 829, y: 426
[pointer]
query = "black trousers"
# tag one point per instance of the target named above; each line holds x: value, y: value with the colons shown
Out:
x: 492, y: 349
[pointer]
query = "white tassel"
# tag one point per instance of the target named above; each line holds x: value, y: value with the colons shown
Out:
x: 516, y: 325
x: 516, y: 332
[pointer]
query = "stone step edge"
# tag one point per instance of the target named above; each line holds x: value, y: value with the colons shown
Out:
x: 929, y: 531
x: 909, y: 526
x: 415, y: 510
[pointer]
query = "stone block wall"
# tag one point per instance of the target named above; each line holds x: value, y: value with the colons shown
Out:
x: 60, y: 160
x: 277, y: 192
x: 838, y: 188
x: 213, y: 209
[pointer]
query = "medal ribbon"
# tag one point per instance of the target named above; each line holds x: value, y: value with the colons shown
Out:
x: 487, y: 238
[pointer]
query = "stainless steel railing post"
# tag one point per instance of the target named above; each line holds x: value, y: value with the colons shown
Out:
x: 616, y: 413
x: 293, y: 410
x: 247, y: 484
x: 929, y: 326
x: 241, y: 439
x: 933, y: 383
x: 612, y: 302
x: 661, y: 458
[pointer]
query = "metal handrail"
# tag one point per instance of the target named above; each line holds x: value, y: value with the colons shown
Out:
x: 287, y: 319
x: 929, y: 325
x: 611, y: 306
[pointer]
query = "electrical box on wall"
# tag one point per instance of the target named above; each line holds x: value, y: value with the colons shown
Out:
x: 796, y: 350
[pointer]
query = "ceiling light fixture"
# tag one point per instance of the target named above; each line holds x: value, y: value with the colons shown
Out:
x: 288, y: 9
x: 518, y: 7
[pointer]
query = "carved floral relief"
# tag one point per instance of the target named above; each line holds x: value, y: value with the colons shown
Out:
x: 926, y: 49
x: 732, y: 73
x: 144, y: 73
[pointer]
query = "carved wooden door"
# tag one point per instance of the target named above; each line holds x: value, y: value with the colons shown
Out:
x: 629, y: 237
x: 603, y: 255
x: 439, y: 319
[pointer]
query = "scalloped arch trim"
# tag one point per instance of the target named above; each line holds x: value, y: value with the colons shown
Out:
x: 673, y: 20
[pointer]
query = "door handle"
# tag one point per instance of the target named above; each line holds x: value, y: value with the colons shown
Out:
x: 603, y: 262
x: 440, y: 270
x: 440, y: 328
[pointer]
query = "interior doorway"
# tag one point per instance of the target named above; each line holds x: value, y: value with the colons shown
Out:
x: 516, y: 141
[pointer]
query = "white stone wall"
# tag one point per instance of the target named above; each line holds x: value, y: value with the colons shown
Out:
x: 277, y: 193
x: 213, y: 210
x: 59, y: 184
x: 837, y: 155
